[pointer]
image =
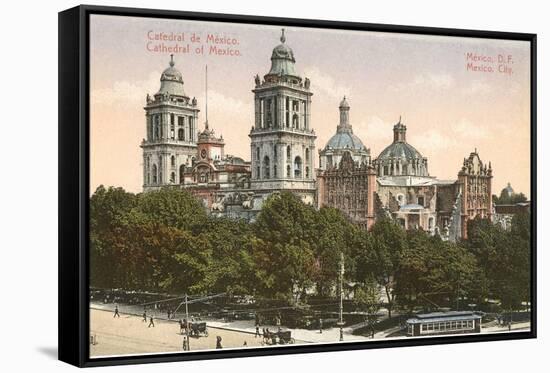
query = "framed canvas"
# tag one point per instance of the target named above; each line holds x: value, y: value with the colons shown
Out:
x: 233, y: 186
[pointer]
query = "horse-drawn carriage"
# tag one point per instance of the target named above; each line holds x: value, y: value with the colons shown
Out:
x: 197, y: 329
x: 281, y: 337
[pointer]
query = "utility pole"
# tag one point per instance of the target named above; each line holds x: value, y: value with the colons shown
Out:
x: 341, y: 321
x: 187, y: 323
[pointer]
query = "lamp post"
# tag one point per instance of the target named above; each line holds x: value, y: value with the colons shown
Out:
x: 341, y: 320
x: 187, y: 323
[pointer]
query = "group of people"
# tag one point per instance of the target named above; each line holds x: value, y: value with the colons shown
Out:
x: 183, y: 325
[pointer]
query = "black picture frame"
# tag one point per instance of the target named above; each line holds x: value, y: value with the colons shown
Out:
x: 74, y: 167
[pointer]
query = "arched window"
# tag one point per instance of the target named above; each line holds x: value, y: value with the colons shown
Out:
x: 173, y: 162
x: 258, y: 152
x: 266, y: 167
x: 297, y: 167
x: 181, y: 134
x: 148, y: 170
x: 173, y: 177
x: 154, y: 172
x: 288, y: 153
x: 190, y: 132
x: 258, y: 175
x: 157, y: 130
x: 275, y: 171
x: 307, y: 155
x: 288, y: 171
x: 274, y: 152
x: 182, y: 174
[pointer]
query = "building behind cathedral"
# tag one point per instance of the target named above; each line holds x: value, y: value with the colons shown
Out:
x: 396, y: 184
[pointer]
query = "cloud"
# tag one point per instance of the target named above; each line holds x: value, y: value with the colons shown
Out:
x: 219, y: 103
x: 126, y: 93
x: 374, y: 128
x: 429, y: 81
x: 477, y: 87
x: 468, y: 130
x: 433, y: 140
x: 462, y: 131
x: 326, y: 84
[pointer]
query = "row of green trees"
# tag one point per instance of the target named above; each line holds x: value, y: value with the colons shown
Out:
x: 165, y: 242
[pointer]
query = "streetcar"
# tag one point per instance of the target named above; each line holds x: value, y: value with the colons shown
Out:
x: 451, y: 322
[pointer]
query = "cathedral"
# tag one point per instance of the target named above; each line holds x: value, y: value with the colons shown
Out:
x: 396, y: 184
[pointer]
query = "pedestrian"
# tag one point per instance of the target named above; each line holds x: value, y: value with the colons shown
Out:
x: 144, y: 316
x: 219, y: 342
x: 116, y: 312
x: 257, y: 331
x: 151, y: 323
x: 168, y: 314
x: 321, y: 326
x: 185, y: 343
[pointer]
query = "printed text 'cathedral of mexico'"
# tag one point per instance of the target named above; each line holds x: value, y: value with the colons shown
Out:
x: 396, y: 184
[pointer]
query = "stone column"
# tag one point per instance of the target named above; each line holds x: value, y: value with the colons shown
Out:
x: 371, y: 189
x: 144, y: 169
x: 282, y: 114
x: 307, y: 124
x: 257, y: 113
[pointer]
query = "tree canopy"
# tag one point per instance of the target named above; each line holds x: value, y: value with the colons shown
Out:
x: 164, y: 241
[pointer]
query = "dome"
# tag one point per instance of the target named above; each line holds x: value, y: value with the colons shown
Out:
x: 282, y: 59
x: 171, y: 81
x: 344, y: 137
x: 400, y: 158
x: 344, y: 103
x: 345, y: 140
x: 401, y: 150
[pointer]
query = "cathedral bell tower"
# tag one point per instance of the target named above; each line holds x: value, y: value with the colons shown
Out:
x: 171, y: 132
x: 282, y: 139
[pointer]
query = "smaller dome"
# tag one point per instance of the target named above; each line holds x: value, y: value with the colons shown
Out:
x: 282, y: 59
x: 401, y: 150
x: 345, y: 140
x: 171, y: 80
x: 509, y: 190
x: 344, y: 103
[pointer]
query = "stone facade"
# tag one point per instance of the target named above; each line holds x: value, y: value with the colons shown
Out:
x: 475, y: 180
x: 282, y: 140
x: 395, y: 185
x: 350, y: 187
x: 171, y: 132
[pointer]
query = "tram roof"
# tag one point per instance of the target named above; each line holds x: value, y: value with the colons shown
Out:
x: 443, y: 316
